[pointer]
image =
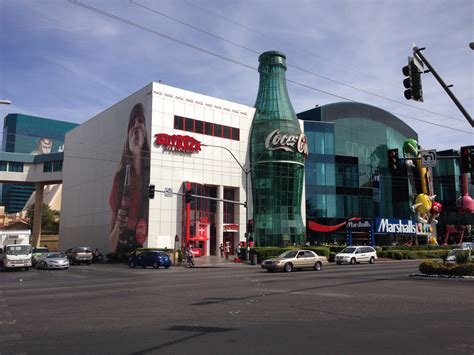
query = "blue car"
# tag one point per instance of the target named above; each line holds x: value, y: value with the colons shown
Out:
x: 150, y: 258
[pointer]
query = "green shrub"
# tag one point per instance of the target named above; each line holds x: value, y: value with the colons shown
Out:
x: 430, y: 267
x: 332, y: 256
x: 390, y: 254
x: 382, y: 254
x: 462, y: 257
x: 412, y: 255
x: 466, y: 269
x: 397, y: 255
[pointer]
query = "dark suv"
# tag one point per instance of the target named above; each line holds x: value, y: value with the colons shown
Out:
x: 77, y: 255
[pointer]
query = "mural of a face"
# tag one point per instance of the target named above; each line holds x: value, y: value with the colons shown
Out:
x: 136, y: 134
x: 45, y: 145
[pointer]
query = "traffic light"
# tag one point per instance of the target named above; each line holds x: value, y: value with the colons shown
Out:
x: 188, y: 196
x: 412, y: 82
x: 467, y: 157
x: 250, y: 226
x: 392, y: 160
x: 151, y: 191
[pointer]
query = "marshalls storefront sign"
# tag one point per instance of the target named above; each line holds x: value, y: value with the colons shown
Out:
x: 396, y: 226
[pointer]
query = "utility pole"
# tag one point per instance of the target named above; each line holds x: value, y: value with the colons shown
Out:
x: 417, y: 51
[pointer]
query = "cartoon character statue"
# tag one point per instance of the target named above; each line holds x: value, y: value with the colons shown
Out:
x: 410, y: 150
x: 422, y: 207
x: 435, y: 212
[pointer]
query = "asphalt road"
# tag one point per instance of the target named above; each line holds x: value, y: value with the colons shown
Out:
x: 235, y: 309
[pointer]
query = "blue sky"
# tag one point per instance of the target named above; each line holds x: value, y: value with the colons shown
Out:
x: 63, y: 61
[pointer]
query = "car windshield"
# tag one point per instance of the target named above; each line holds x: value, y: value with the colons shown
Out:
x: 40, y: 250
x: 83, y: 250
x: 55, y: 255
x: 289, y: 254
x: 18, y: 249
x: 348, y: 250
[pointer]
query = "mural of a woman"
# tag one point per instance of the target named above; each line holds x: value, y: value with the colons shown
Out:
x: 129, y: 195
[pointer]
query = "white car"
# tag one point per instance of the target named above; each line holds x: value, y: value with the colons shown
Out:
x: 353, y: 254
x: 52, y: 261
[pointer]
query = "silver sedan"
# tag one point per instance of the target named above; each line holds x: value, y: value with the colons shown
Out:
x: 295, y: 259
x: 52, y: 261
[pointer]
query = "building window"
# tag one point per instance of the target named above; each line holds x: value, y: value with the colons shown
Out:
x: 178, y: 122
x: 198, y: 126
x: 3, y: 166
x: 47, y: 167
x: 15, y: 167
x: 227, y: 132
x: 58, y: 165
x: 235, y: 134
x: 210, y: 129
x: 189, y: 125
x: 217, y: 130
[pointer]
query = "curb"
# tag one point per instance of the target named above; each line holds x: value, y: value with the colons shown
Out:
x: 426, y: 276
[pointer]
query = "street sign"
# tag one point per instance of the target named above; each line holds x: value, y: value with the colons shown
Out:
x: 168, y: 192
x: 428, y: 158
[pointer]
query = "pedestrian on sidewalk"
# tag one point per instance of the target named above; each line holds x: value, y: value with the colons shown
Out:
x: 221, y: 250
x: 227, y: 250
x: 239, y: 251
x: 189, y: 257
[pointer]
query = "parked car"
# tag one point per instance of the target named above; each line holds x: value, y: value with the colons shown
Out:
x: 77, y: 255
x: 52, y: 261
x: 152, y: 258
x: 451, y: 258
x: 36, y: 252
x: 356, y: 254
x: 295, y: 259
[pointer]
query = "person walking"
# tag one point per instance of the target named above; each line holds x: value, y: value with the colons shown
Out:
x: 239, y: 251
x: 227, y: 250
x: 189, y: 257
x: 221, y: 250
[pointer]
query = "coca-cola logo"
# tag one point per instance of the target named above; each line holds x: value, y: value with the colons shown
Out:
x: 178, y: 143
x: 288, y: 142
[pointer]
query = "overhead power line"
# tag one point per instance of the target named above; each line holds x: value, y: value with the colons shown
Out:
x: 147, y: 29
x: 307, y: 71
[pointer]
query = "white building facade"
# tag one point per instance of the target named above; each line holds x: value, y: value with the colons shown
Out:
x: 192, y: 141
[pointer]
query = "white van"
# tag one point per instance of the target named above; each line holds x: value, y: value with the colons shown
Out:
x: 352, y: 255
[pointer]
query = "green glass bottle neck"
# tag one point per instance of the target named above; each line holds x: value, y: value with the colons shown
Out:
x: 273, y: 101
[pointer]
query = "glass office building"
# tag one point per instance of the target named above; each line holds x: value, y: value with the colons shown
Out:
x: 30, y: 135
x: 346, y: 171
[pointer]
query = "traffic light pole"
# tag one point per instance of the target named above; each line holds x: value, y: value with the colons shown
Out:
x: 445, y: 87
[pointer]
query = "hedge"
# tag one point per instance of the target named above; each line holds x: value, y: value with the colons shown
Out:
x: 430, y: 267
x: 419, y: 247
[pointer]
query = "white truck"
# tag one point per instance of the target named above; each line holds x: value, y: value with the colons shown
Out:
x: 15, y: 249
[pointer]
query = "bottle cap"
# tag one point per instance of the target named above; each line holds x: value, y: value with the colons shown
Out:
x: 272, y: 58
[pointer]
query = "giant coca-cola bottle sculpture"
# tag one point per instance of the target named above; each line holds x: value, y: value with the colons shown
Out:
x: 277, y: 153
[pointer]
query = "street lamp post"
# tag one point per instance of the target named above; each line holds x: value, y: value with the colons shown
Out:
x: 246, y: 171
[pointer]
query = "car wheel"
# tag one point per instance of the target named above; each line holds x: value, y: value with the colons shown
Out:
x: 132, y: 264
x: 338, y: 263
x: 156, y: 265
x: 372, y: 260
x: 288, y: 267
x: 27, y: 268
x: 353, y: 261
x: 270, y: 270
x: 318, y: 266
x: 88, y: 262
x: 167, y: 267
